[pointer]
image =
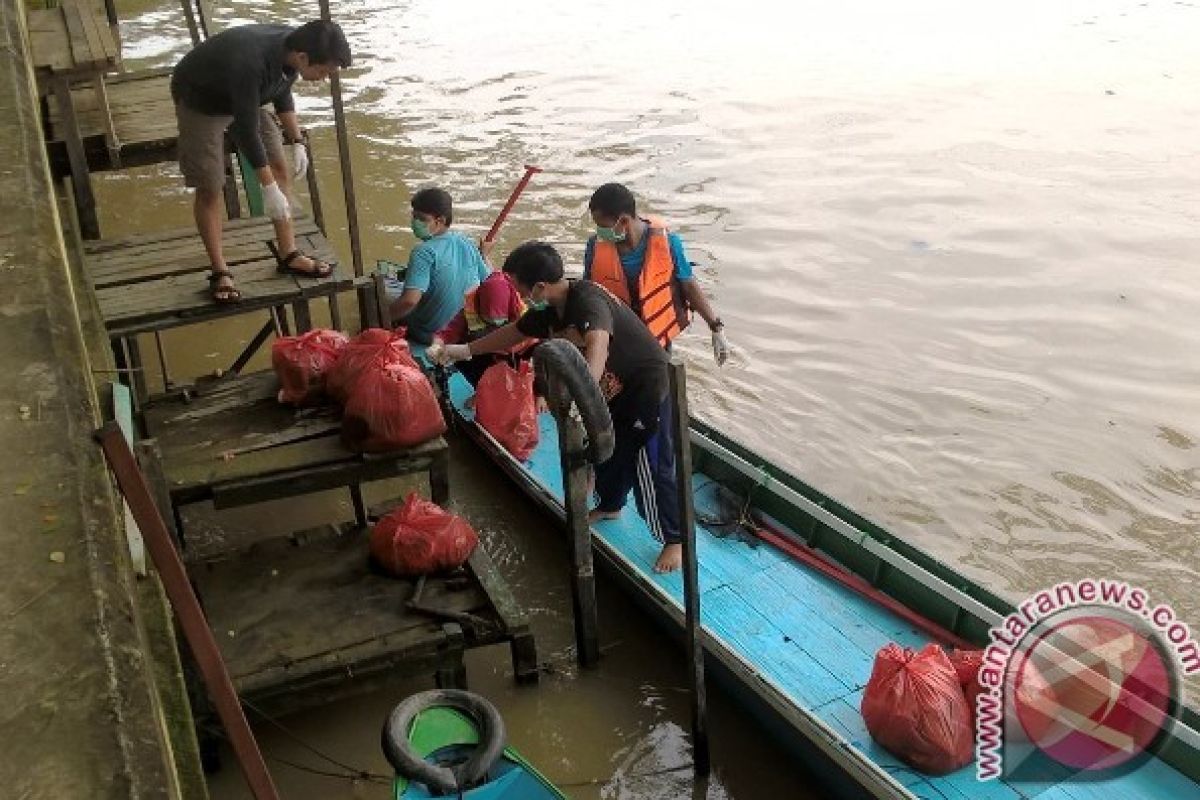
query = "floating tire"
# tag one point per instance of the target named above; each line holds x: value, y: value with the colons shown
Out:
x: 444, y: 780
x: 561, y: 368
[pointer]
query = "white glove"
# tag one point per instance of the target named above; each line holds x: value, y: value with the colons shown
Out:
x: 720, y: 346
x: 299, y: 159
x: 448, y: 353
x: 276, y: 202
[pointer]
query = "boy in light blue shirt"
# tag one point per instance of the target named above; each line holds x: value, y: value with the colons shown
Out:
x: 441, y: 270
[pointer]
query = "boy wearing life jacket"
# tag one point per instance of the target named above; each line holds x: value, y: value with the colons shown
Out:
x: 630, y: 368
x: 442, y: 269
x: 644, y: 264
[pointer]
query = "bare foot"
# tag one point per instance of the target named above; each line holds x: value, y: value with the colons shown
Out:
x: 541, y: 405
x: 670, y: 559
x: 595, y: 515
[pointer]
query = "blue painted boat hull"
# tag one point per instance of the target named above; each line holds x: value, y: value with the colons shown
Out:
x: 795, y: 646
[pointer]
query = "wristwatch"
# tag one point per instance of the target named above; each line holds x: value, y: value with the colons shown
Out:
x: 716, y: 325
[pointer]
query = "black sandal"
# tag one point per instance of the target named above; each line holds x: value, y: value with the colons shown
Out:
x: 223, y: 295
x: 319, y: 271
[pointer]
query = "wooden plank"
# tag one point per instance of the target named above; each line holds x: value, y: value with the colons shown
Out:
x: 760, y: 643
x: 200, y: 470
x: 100, y: 54
x: 188, y: 258
x: 847, y: 720
x: 81, y: 182
x: 809, y: 629
x: 314, y: 479
x: 275, y: 594
x: 186, y: 299
x: 165, y: 258
x: 186, y: 242
x: 49, y: 41
x: 174, y: 234
x: 76, y: 37
x: 496, y: 588
x: 865, y: 623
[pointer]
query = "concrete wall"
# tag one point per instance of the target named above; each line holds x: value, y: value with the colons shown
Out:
x: 88, y: 676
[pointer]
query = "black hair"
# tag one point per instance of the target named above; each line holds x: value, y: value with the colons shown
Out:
x: 322, y: 41
x: 534, y: 262
x: 434, y: 201
x: 613, y: 200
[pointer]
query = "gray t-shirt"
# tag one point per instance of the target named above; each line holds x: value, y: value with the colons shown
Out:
x: 235, y: 73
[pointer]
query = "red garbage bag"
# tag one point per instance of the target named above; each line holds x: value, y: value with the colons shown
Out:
x: 372, y: 346
x: 915, y: 708
x: 390, y: 406
x: 966, y: 664
x: 421, y: 537
x: 505, y: 407
x: 302, y: 362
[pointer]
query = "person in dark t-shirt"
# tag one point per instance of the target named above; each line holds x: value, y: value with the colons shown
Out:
x: 227, y: 82
x: 631, y: 370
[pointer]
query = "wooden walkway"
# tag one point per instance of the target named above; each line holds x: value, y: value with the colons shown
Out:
x: 143, y: 117
x: 159, y: 280
x: 298, y: 617
x: 235, y: 444
x: 304, y: 619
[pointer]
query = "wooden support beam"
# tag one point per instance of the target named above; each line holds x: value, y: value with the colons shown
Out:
x: 681, y: 441
x: 81, y: 181
x: 343, y: 140
x: 259, y: 339
x: 189, y: 16
x: 314, y: 188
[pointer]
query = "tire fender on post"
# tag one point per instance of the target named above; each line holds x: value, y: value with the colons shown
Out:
x: 562, y: 370
x: 444, y: 780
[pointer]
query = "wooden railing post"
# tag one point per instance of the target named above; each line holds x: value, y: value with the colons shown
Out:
x: 691, y: 578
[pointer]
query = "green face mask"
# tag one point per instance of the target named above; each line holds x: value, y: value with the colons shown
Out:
x: 537, y: 305
x: 609, y: 234
x: 420, y: 229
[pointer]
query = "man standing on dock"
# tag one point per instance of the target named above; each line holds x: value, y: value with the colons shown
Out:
x: 631, y: 369
x: 226, y: 82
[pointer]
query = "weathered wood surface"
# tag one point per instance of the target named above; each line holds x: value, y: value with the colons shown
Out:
x: 159, y: 281
x: 298, y: 610
x: 142, y: 116
x: 73, y: 38
x: 237, y: 444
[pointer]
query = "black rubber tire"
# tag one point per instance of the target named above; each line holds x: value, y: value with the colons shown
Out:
x: 558, y: 363
x: 444, y: 780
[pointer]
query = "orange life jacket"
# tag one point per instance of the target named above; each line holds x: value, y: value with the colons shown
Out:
x: 659, y: 298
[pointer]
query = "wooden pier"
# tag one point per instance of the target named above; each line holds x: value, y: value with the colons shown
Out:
x: 142, y: 116
x: 234, y: 444
x: 301, y: 619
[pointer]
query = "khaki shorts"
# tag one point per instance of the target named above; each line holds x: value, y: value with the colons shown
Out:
x: 201, y: 145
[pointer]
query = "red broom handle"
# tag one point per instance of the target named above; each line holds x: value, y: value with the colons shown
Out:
x: 810, y: 557
x: 530, y: 170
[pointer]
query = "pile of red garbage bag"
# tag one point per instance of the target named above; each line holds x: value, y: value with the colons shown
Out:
x: 420, y: 538
x: 391, y: 405
x: 387, y: 402
x: 303, y: 362
x: 916, y: 708
x: 371, y: 349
